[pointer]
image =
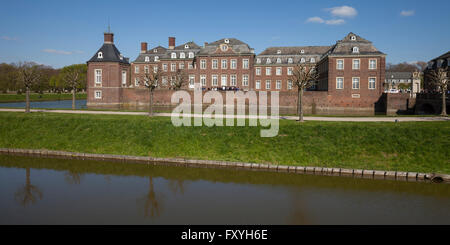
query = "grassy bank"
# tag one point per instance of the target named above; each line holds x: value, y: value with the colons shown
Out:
x: 39, y: 97
x: 406, y: 146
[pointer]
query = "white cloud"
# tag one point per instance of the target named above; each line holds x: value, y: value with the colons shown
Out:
x: 7, y: 38
x: 407, y: 12
x: 315, y: 20
x: 335, y: 22
x: 343, y: 11
x: 53, y: 51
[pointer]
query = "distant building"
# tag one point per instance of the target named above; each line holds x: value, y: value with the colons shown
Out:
x: 394, y: 79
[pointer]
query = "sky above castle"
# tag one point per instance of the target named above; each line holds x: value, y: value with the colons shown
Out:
x: 59, y: 33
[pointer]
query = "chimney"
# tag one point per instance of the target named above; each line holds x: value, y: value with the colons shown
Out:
x: 143, y: 47
x: 109, y: 37
x: 171, y: 42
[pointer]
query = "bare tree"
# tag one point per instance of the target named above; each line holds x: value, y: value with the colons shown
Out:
x: 29, y: 74
x: 151, y: 82
x: 180, y: 79
x: 303, y: 77
x: 440, y: 79
x: 74, y: 76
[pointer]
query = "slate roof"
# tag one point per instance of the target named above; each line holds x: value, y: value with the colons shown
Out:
x: 110, y: 54
x: 345, y: 47
x: 308, y: 50
x: 237, y: 46
x: 295, y: 53
x: 399, y: 75
x: 164, y: 53
x: 441, y: 61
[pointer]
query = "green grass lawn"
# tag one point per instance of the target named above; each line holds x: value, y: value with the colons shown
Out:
x: 39, y: 97
x: 405, y: 146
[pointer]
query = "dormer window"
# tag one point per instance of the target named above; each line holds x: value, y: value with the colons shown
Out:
x: 100, y: 55
x: 302, y: 60
x: 155, y: 50
x: 353, y: 38
x: 313, y: 60
x: 290, y: 60
x: 258, y: 61
x: 302, y: 51
x: 156, y: 58
x: 182, y: 55
x: 147, y: 59
x: 268, y: 61
x: 278, y: 60
x: 191, y: 55
x: 278, y: 51
x: 227, y: 41
x: 186, y: 46
x: 173, y: 55
x: 355, y: 50
x: 121, y: 57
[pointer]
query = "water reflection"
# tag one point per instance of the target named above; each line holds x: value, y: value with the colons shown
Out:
x: 73, y: 177
x: 28, y: 194
x: 152, y: 201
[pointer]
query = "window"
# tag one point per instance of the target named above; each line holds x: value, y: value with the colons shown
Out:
x: 224, y: 64
x: 215, y: 80
x: 173, y: 67
x: 100, y: 55
x: 190, y: 66
x: 156, y: 58
x: 268, y: 71
x: 186, y: 46
x: 258, y: 61
x: 124, y: 77
x: 278, y: 84
x: 191, y: 80
x: 155, y: 51
x: 302, y: 51
x: 278, y: 60
x: 146, y: 69
x: 182, y: 55
x: 372, y: 82
x: 233, y: 80
x: 258, y: 84
x: 164, y: 67
x: 289, y: 85
x: 267, y: 84
x: 245, y: 80
x: 203, y: 80
x: 233, y: 64
x: 355, y: 83
x: 339, y: 83
x: 136, y: 69
x: 290, y: 60
x: 289, y: 71
x: 355, y: 50
x: 258, y: 71
x: 278, y: 51
x: 353, y: 38
x: 278, y: 71
x: 224, y: 47
x: 227, y: 41
x: 98, y: 94
x: 340, y: 64
x: 202, y: 64
x: 268, y: 61
x: 98, y: 76
x: 173, y: 55
x: 355, y: 64
x: 224, y: 80
x: 155, y: 69
x: 312, y: 60
x: 215, y: 64
x: 147, y: 59
x: 245, y: 63
x: 181, y: 65
x: 136, y: 81
x: 191, y: 55
x: 372, y: 64
x: 302, y: 60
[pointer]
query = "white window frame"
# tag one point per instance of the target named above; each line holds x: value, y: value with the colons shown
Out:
x: 353, y: 83
x: 203, y: 64
x: 223, y: 80
x: 224, y: 64
x: 124, y: 77
x: 136, y: 81
x: 245, y: 80
x: 146, y: 69
x: 278, y: 85
x: 233, y: 80
x: 181, y: 66
x: 337, y: 64
x: 258, y: 84
x: 233, y: 64
x: 173, y: 55
x: 98, y: 76
x: 289, y: 71
x: 312, y: 60
x: 147, y: 59
x: 290, y: 61
x: 258, y: 71
x: 98, y: 94
x: 214, y: 80
x: 155, y: 69
x: 203, y: 80
x: 353, y: 64
x: 136, y: 69
x: 268, y: 71
x: 268, y: 82
x: 245, y: 63
x: 302, y: 60
x: 370, y: 67
x: 279, y: 71
x: 182, y: 55
x: 374, y: 83
x: 337, y: 83
x: 289, y: 85
x: 165, y: 67
x: 215, y: 64
x: 173, y: 66
x: 191, y: 55
x: 100, y: 55
x: 191, y: 81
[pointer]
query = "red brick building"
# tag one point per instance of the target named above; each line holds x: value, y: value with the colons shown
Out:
x: 351, y: 72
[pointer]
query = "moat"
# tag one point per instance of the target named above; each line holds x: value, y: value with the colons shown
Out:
x: 58, y: 191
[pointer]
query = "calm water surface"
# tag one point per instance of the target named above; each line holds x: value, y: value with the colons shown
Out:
x: 54, y: 104
x: 56, y: 191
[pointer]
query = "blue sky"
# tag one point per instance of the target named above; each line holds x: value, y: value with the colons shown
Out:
x: 60, y: 33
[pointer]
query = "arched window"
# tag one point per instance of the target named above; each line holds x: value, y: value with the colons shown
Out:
x: 182, y: 55
x: 313, y: 60
x: 156, y: 58
x: 174, y: 55
x: 278, y: 60
x: 302, y: 60
x: 191, y: 55
x: 290, y: 60
x: 147, y: 59
x: 258, y: 61
x: 268, y: 61
x: 100, y: 55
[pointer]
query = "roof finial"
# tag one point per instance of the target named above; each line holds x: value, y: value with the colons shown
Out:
x: 109, y: 27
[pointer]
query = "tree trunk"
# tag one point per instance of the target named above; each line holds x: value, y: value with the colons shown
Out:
x: 27, y: 101
x: 150, y: 113
x: 73, y: 98
x: 444, y: 104
x: 300, y: 105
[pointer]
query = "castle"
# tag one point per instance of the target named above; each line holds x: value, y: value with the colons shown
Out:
x: 351, y: 73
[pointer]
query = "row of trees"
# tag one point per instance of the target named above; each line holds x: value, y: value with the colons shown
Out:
x: 27, y: 77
